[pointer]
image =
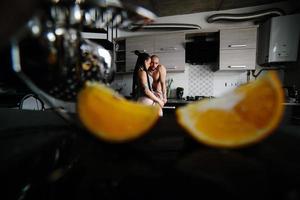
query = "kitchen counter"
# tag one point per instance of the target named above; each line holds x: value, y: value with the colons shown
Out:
x: 177, y: 101
x: 291, y: 104
x: 172, y: 104
x: 291, y: 109
x: 183, y: 102
x: 165, y: 162
x: 10, y: 99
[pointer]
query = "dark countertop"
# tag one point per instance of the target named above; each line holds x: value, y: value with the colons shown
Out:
x: 165, y: 162
x: 10, y: 99
x: 291, y: 104
x: 179, y: 101
x: 183, y: 101
x: 174, y: 103
x: 171, y: 101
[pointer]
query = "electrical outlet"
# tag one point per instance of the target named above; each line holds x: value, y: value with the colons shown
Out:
x: 225, y: 82
x: 231, y: 84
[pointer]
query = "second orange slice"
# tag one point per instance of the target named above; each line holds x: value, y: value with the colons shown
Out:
x: 241, y: 117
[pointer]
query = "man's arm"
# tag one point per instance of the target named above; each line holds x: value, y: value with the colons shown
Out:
x: 163, y: 73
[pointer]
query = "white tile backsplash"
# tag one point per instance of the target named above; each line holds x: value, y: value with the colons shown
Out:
x: 200, y: 80
x: 179, y: 80
x: 123, y: 83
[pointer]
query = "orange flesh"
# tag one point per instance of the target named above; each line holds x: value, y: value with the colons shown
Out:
x: 250, y: 119
x: 228, y: 122
x: 112, y: 117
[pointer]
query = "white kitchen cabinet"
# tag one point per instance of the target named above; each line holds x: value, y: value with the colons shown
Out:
x: 238, y: 49
x: 242, y: 38
x: 140, y: 43
x: 174, y: 62
x: 238, y: 59
x: 169, y: 47
x: 170, y: 50
x: 164, y: 43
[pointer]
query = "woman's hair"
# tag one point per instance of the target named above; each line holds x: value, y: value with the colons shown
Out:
x: 140, y: 64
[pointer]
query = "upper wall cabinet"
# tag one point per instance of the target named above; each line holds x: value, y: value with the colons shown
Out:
x: 168, y: 47
x: 238, y: 48
x: 170, y: 50
x: 140, y: 43
x: 165, y: 43
x: 238, y: 38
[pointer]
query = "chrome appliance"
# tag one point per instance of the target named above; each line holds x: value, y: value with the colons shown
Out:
x: 50, y: 55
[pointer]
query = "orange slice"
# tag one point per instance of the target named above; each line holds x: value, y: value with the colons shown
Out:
x: 242, y: 117
x: 111, y: 117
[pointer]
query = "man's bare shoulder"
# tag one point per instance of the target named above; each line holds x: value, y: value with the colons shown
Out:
x: 161, y: 68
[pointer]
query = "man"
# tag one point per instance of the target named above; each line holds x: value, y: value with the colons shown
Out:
x: 158, y: 73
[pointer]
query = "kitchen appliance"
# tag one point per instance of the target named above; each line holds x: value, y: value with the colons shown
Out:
x: 197, y: 98
x: 179, y: 92
x: 278, y: 40
x: 60, y: 60
x: 202, y: 48
x: 291, y: 94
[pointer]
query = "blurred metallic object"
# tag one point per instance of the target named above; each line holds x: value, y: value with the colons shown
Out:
x: 114, y: 13
x: 55, y: 33
x: 60, y: 61
x: 60, y: 64
x: 96, y: 56
x: 35, y: 26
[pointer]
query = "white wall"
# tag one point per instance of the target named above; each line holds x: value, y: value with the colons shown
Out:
x: 221, y: 82
x: 225, y: 81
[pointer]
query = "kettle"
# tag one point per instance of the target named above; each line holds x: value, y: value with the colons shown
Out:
x: 291, y: 93
x: 179, y: 92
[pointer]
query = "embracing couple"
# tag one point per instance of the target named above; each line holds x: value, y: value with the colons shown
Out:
x: 149, y: 81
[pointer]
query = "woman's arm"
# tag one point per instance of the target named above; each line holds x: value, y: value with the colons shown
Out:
x: 144, y: 83
x: 163, y: 73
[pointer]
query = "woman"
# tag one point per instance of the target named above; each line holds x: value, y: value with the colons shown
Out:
x: 141, y: 86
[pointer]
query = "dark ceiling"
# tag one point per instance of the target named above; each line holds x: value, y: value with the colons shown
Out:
x: 177, y: 7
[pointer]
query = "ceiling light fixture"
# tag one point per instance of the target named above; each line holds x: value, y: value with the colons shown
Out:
x: 164, y: 27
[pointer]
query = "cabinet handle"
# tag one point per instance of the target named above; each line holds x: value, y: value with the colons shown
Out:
x: 168, y: 49
x: 140, y: 50
x: 237, y: 66
x: 172, y: 67
x: 169, y: 107
x: 237, y: 45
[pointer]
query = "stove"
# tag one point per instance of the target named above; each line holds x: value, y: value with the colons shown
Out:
x: 196, y: 98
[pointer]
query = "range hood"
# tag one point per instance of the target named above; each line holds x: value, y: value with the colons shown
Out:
x: 278, y: 40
